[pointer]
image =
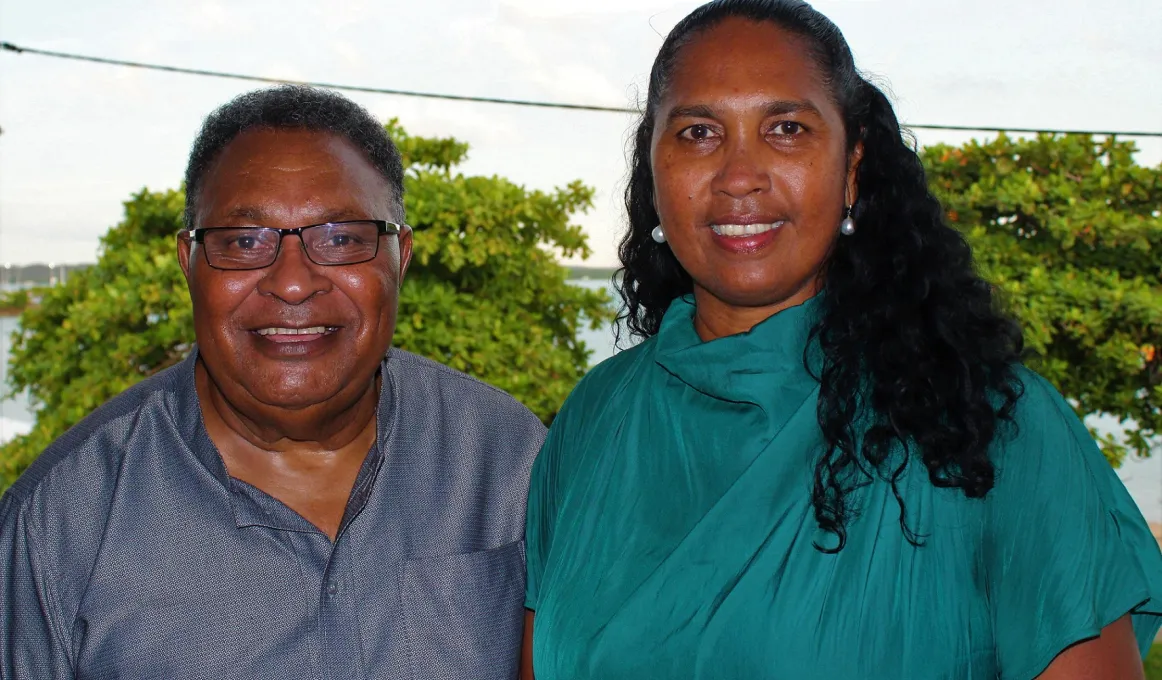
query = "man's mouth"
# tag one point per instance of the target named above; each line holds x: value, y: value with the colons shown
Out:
x: 312, y: 330
x: 294, y: 337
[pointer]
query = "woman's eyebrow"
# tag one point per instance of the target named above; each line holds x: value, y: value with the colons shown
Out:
x: 776, y: 107
x: 784, y: 106
x: 691, y: 111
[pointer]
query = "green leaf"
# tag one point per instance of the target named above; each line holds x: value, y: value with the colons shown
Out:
x: 1072, y: 237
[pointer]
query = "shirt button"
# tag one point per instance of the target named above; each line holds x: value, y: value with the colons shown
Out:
x: 332, y: 588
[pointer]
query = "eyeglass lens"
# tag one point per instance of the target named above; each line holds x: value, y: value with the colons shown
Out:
x: 326, y: 244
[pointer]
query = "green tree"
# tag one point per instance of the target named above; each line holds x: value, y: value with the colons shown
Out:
x: 485, y: 294
x: 14, y: 302
x: 1069, y: 229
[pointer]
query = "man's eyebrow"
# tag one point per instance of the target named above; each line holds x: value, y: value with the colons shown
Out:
x: 340, y: 215
x: 253, y: 214
x: 256, y: 216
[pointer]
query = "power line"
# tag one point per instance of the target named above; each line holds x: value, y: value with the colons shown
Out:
x: 7, y: 46
x: 333, y: 86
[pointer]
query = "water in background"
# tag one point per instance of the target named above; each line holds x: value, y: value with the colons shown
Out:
x: 1142, y: 477
x: 600, y: 341
x: 15, y: 418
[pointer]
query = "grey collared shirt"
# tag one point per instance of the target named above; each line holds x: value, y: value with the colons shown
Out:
x: 126, y: 551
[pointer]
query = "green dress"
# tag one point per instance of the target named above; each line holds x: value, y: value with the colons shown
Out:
x: 670, y: 533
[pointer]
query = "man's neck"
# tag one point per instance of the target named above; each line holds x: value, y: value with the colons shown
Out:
x: 307, y: 458
x: 327, y: 426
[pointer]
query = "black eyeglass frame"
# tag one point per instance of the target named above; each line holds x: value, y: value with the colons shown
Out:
x: 198, y: 234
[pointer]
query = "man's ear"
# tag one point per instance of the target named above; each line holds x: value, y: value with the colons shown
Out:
x: 405, y: 250
x: 185, y: 249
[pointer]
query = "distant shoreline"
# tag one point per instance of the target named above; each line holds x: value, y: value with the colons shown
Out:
x: 592, y: 273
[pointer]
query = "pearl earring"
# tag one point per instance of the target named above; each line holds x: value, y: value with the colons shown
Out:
x: 658, y: 235
x: 847, y: 226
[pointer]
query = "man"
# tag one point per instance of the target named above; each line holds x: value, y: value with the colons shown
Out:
x: 296, y: 499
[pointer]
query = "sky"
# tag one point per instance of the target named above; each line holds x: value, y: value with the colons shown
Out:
x: 79, y: 138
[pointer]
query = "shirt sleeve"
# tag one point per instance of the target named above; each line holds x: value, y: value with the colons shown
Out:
x: 1068, y: 552
x: 32, y: 642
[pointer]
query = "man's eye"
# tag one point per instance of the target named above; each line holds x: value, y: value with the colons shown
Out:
x: 245, y: 242
x: 697, y: 132
x: 340, y: 240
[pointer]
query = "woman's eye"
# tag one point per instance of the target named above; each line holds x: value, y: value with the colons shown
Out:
x: 697, y: 132
x: 787, y: 127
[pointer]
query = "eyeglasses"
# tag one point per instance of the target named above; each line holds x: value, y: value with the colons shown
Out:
x: 328, y: 244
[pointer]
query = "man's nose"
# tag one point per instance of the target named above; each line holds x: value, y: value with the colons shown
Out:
x: 293, y: 277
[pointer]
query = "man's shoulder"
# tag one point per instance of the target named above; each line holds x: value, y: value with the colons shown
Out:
x: 95, y: 444
x: 476, y: 397
x: 445, y: 433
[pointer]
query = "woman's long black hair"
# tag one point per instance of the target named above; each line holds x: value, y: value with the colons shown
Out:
x: 917, y: 356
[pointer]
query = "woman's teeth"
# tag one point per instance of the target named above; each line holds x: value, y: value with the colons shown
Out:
x: 743, y: 229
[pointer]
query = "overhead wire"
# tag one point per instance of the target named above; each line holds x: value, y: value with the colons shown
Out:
x: 10, y: 47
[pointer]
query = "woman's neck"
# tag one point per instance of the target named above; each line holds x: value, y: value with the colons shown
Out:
x: 715, y: 318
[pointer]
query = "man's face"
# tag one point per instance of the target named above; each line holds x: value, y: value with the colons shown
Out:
x: 244, y: 320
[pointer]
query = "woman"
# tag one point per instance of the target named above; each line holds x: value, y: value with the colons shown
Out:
x: 825, y: 459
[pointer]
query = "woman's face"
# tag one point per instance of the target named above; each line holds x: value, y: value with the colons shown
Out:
x: 751, y: 174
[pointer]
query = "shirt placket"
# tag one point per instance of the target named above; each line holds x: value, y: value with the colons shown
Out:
x: 339, y: 604
x: 339, y: 620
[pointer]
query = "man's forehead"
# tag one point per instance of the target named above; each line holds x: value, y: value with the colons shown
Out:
x: 290, y: 151
x: 266, y: 174
x: 263, y: 214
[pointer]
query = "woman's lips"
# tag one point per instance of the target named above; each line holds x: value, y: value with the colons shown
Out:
x: 745, y: 238
x: 745, y: 229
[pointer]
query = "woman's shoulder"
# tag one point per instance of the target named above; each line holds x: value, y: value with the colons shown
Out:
x: 1038, y: 396
x: 1045, y: 428
x: 609, y: 379
x: 1067, y: 550
x: 1045, y: 437
x: 1048, y: 463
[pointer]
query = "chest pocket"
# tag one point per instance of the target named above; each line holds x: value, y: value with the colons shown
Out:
x: 465, y: 613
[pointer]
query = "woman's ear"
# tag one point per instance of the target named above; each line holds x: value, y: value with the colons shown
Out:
x: 851, y: 188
